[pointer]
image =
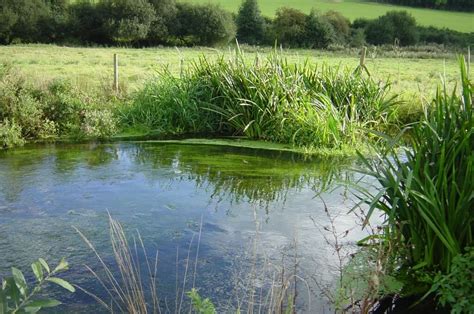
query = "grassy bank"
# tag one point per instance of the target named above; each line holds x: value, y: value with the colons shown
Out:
x: 352, y: 9
x: 411, y: 72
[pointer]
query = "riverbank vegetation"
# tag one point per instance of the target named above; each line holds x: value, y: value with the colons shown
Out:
x: 268, y: 99
x: 425, y: 194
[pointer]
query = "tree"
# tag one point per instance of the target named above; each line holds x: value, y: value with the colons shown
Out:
x: 250, y: 23
x: 394, y: 25
x: 126, y: 21
x: 340, y: 24
x: 165, y: 15
x: 319, y: 31
x: 19, y: 19
x: 205, y: 25
x: 290, y: 27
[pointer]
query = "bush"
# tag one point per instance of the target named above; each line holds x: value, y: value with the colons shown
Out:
x: 10, y: 134
x: 394, y: 25
x: 55, y: 110
x: 206, y: 25
x: 340, y: 24
x: 455, y: 288
x: 289, y: 26
x: 250, y: 23
x: 86, y: 23
x: 319, y: 32
x: 20, y: 20
x: 447, y: 37
x: 126, y: 21
x: 165, y: 15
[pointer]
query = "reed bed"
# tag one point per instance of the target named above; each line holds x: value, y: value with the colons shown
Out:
x: 267, y: 99
x: 426, y: 191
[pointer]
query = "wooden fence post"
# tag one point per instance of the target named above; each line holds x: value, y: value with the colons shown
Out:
x: 362, y: 57
x: 116, y: 73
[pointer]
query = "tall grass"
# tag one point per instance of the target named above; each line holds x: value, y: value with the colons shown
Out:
x: 426, y: 191
x: 266, y: 99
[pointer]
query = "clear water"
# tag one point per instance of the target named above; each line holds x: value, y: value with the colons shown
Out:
x: 164, y: 190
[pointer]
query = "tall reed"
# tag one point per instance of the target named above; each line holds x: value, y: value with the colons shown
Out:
x: 426, y: 191
x: 268, y: 99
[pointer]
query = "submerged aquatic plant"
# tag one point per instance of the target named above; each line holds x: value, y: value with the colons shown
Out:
x: 426, y: 190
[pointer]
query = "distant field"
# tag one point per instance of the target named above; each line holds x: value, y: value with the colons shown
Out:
x: 91, y: 68
x: 463, y: 22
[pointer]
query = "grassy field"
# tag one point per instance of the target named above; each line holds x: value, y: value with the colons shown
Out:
x: 91, y: 68
x: 463, y: 22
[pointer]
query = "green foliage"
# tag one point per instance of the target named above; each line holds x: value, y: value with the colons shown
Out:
x: 320, y: 32
x: 394, y: 25
x: 126, y: 21
x: 199, y: 305
x: 22, y: 19
x: 268, y: 100
x: 57, y: 109
x: 15, y: 296
x: 461, y: 5
x: 455, y: 288
x: 340, y: 24
x: 205, y: 25
x: 290, y: 27
x: 165, y: 15
x: 10, y: 134
x: 250, y: 23
x: 426, y: 192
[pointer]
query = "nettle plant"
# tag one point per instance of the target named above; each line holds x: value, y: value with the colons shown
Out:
x: 17, y: 297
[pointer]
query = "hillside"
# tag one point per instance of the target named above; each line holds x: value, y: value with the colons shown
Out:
x: 459, y: 21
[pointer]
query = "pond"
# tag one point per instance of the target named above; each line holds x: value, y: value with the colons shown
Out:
x: 254, y: 208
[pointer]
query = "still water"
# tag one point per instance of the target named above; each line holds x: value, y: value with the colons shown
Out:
x: 260, y: 212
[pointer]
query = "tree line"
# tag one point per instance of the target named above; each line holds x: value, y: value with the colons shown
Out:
x: 167, y: 22
x: 458, y: 5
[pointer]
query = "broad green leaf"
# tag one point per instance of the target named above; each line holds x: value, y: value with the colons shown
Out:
x: 12, y: 290
x: 3, y: 302
x: 45, y: 265
x: 63, y: 265
x: 20, y: 280
x: 63, y: 283
x: 44, y: 303
x: 37, y: 270
x: 30, y: 309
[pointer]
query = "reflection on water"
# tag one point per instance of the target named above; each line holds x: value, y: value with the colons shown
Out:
x: 164, y: 190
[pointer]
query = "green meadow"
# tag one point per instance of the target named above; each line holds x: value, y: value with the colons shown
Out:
x: 92, y: 68
x: 352, y: 9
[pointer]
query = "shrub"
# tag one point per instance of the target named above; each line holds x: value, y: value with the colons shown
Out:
x: 319, y: 32
x: 340, y: 24
x: 126, y: 21
x: 430, y: 35
x: 394, y: 25
x: 10, y: 134
x: 455, y: 288
x: 54, y: 110
x: 165, y: 15
x: 86, y: 23
x: 205, y: 25
x: 290, y: 27
x: 21, y: 19
x: 250, y: 23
